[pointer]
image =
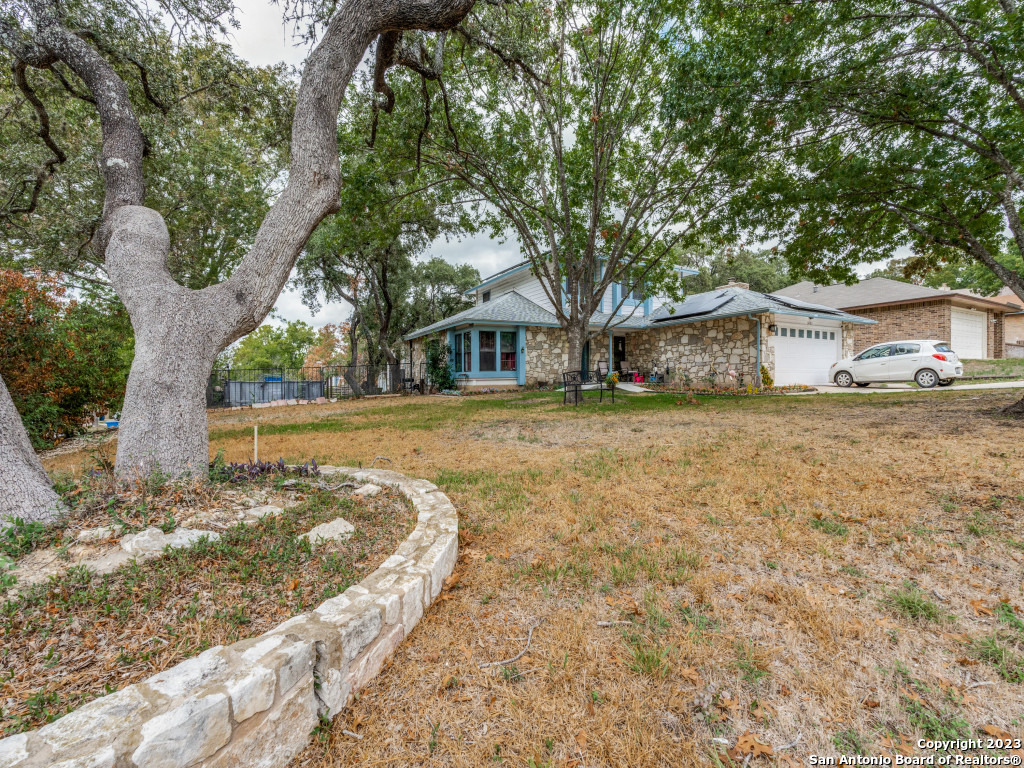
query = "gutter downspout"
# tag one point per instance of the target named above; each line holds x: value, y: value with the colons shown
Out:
x: 757, y: 375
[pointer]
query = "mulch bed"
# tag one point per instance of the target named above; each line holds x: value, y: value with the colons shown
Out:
x: 81, y: 636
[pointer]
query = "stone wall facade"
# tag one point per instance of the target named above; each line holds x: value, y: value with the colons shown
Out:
x: 255, y: 703
x: 698, y: 349
x: 547, y: 355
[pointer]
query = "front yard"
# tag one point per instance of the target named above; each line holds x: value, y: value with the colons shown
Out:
x: 694, y: 581
x: 1006, y: 368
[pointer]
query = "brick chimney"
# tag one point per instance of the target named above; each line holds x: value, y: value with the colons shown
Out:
x: 734, y: 283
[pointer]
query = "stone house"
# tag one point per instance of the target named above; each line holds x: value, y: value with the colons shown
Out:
x: 973, y: 325
x: 511, y: 337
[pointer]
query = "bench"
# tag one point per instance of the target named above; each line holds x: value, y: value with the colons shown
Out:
x: 575, y: 381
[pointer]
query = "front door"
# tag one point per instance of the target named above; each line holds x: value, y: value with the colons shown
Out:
x: 619, y: 351
x: 585, y: 362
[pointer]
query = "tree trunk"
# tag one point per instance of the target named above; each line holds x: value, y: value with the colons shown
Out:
x: 577, y: 335
x: 25, y: 489
x: 178, y: 331
x: 178, y: 334
x: 163, y: 422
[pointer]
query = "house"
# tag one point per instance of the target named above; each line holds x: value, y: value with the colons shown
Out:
x: 973, y: 325
x: 512, y: 338
x: 1013, y: 322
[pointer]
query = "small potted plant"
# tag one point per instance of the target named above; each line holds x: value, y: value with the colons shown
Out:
x: 611, y: 380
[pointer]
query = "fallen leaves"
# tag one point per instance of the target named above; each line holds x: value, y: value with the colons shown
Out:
x: 751, y: 744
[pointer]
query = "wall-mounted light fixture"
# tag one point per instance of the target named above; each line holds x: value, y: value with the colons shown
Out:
x: 773, y: 328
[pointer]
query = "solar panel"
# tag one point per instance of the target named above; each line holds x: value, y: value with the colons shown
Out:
x: 797, y: 304
x: 701, y: 304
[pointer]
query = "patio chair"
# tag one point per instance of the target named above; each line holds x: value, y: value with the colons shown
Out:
x: 573, y: 381
x: 602, y: 369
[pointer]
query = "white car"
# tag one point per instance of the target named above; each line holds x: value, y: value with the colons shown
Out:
x: 927, y: 362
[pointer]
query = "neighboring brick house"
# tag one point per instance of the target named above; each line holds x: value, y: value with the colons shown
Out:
x: 1013, y: 322
x: 973, y: 325
x: 512, y: 338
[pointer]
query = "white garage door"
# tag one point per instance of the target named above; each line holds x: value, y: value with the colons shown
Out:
x: 969, y: 334
x: 804, y: 353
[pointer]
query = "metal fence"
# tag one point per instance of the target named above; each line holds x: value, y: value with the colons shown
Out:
x: 250, y: 386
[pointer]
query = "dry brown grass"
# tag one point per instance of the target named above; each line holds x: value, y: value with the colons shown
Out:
x: 749, y: 547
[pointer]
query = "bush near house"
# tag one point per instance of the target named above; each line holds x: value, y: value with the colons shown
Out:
x: 63, y: 359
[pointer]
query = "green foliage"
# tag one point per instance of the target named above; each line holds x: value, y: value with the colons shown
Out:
x: 896, y: 125
x: 391, y: 209
x: 565, y: 141
x: 1001, y: 655
x: 62, y: 360
x: 913, y: 603
x: 438, y: 368
x: 220, y: 138
x: 20, y: 537
x: 829, y: 525
x: 764, y: 272
x: 958, y: 273
x: 271, y: 346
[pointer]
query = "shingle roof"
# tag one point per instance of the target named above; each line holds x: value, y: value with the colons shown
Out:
x: 731, y: 302
x: 513, y: 309
x: 874, y: 290
x: 508, y: 309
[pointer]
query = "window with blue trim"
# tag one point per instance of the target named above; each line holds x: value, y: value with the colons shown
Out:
x: 488, y: 350
x: 509, y: 342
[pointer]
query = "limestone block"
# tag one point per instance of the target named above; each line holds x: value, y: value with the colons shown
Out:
x: 370, y: 489
x: 273, y: 739
x: 107, y: 721
x: 191, y: 731
x: 265, y: 510
x: 251, y: 691
x: 369, y: 664
x: 103, y: 759
x: 152, y: 541
x: 13, y: 750
x: 189, y: 675
x: 93, y: 535
x: 338, y: 529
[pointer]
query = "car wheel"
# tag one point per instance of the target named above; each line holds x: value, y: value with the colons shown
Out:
x: 863, y: 383
x: 926, y: 378
x: 946, y: 382
x: 843, y: 379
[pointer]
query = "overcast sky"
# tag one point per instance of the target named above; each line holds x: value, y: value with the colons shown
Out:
x: 263, y: 39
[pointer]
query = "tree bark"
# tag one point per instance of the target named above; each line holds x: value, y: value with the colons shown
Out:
x: 577, y: 336
x: 24, y: 485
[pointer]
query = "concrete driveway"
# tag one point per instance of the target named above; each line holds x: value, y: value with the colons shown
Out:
x: 825, y: 389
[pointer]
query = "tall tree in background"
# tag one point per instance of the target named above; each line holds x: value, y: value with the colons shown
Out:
x: 765, y: 272
x: 271, y: 346
x: 566, y: 140
x: 330, y: 346
x: 904, y: 121
x: 222, y: 128
x: 179, y: 331
x: 438, y: 291
x: 390, y: 211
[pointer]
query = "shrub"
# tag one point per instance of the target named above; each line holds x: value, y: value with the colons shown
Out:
x: 62, y: 359
x: 766, y: 378
x: 438, y: 369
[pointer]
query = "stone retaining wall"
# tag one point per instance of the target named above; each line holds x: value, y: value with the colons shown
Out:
x: 254, y: 703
